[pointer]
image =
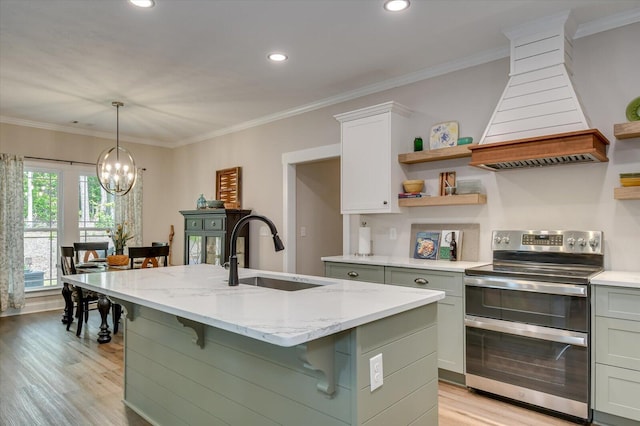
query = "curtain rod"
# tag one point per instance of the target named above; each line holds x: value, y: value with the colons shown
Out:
x: 71, y: 162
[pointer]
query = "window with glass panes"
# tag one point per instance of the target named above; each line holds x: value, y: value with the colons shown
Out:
x: 63, y: 204
x: 41, y: 227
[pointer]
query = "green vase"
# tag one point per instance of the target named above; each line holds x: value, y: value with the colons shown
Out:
x: 202, y: 202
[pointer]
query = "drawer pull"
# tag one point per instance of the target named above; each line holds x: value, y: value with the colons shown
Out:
x: 421, y: 281
x: 353, y: 274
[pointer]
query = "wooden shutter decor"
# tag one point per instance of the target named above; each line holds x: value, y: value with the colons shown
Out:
x: 229, y: 187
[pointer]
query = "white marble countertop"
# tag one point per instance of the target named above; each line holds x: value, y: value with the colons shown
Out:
x: 406, y: 262
x: 285, y: 318
x: 618, y: 279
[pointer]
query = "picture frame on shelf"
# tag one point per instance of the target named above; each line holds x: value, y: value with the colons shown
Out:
x: 426, y: 245
x: 445, y: 240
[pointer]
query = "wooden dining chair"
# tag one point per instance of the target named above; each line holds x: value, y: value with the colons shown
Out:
x: 150, y: 254
x: 72, y: 294
x: 90, y: 250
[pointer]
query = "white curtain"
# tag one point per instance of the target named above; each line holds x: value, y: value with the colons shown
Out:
x: 129, y: 211
x: 11, y: 232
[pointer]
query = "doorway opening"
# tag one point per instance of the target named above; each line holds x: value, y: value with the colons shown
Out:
x: 290, y: 162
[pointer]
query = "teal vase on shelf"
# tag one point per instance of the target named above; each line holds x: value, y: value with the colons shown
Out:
x: 202, y: 202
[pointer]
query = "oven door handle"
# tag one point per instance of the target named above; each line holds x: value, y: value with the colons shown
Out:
x: 527, y: 330
x: 532, y: 286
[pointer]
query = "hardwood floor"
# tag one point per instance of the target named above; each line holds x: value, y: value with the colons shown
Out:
x: 48, y: 376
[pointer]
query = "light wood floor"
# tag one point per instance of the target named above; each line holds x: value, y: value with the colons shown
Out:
x: 48, y: 376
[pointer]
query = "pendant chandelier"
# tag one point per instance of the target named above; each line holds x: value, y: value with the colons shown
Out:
x: 116, y: 168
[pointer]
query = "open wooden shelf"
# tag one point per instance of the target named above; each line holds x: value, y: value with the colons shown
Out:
x: 627, y: 193
x: 627, y: 130
x: 448, y: 200
x: 459, y: 151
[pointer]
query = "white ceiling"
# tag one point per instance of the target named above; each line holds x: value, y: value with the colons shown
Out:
x: 188, y: 70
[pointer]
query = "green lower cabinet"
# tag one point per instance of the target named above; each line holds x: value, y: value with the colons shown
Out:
x: 355, y: 272
x: 450, y: 309
x: 616, y: 373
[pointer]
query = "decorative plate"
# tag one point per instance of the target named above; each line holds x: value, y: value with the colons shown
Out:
x: 444, y: 135
x: 633, y: 110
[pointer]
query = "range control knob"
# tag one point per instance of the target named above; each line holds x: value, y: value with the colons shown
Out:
x: 582, y: 242
x: 505, y: 240
x: 571, y: 241
x: 593, y: 242
x: 497, y: 239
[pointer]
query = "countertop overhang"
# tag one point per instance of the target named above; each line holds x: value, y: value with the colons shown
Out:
x: 200, y: 293
x: 406, y: 262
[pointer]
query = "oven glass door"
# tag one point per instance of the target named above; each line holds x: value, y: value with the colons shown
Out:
x: 554, y: 368
x: 567, y: 311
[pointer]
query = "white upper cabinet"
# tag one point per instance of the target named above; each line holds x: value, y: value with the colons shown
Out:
x: 371, y: 176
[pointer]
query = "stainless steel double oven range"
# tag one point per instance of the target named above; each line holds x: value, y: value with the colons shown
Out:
x: 527, y: 318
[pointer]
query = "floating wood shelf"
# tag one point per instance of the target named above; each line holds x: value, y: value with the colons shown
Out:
x: 460, y: 151
x: 627, y: 130
x: 448, y: 200
x: 627, y: 193
x: 562, y: 148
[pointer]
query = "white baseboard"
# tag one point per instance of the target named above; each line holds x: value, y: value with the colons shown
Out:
x: 38, y: 302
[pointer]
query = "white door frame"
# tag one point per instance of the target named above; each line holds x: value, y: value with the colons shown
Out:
x: 289, y: 162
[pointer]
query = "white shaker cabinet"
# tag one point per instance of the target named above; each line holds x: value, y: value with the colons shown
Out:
x: 371, y: 176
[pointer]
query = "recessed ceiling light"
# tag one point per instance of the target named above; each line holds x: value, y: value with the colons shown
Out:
x: 396, y: 5
x: 277, y: 57
x: 142, y: 3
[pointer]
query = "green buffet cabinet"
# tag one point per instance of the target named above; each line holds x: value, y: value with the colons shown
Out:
x: 207, y: 236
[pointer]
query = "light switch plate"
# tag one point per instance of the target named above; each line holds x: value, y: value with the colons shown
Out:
x: 375, y: 372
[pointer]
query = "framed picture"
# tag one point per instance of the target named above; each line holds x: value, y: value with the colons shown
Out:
x: 445, y: 240
x: 229, y: 187
x: 426, y: 245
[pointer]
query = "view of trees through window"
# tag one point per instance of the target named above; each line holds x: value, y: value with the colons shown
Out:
x: 40, y: 227
x: 44, y: 206
x: 96, y: 211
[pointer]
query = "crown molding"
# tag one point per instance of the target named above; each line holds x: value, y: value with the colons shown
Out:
x: 467, y: 62
x: 77, y: 131
x: 608, y: 23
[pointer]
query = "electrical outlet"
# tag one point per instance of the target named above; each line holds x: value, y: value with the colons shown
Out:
x: 393, y: 234
x: 375, y: 372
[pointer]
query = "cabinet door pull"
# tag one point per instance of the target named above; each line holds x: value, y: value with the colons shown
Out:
x: 385, y: 203
x: 353, y: 274
x: 421, y: 281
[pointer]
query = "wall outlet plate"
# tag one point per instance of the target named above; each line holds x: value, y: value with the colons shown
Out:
x: 375, y: 372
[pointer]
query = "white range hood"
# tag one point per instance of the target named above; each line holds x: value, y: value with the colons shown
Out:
x: 539, y: 107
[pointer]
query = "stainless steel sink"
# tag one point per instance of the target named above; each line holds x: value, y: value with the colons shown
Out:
x: 277, y: 284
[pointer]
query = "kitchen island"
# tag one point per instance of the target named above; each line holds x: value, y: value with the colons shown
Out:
x: 200, y: 352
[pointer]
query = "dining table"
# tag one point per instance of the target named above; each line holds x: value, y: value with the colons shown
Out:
x: 103, y: 303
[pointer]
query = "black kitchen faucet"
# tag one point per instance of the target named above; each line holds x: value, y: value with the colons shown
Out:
x: 233, y: 258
